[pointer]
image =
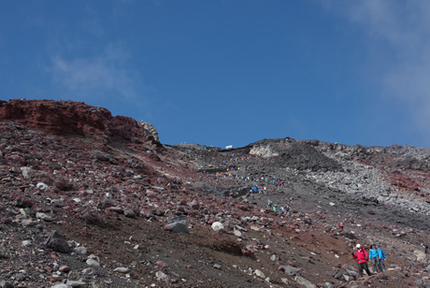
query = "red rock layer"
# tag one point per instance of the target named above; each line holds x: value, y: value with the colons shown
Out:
x: 68, y: 117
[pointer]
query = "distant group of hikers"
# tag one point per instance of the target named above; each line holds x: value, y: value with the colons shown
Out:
x: 269, y: 180
x: 376, y: 254
x: 284, y: 209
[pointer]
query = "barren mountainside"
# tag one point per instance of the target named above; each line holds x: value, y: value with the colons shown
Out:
x: 92, y: 200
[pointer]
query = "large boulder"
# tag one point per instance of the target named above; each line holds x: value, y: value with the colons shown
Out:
x: 178, y: 225
x: 216, y: 226
x: 57, y: 243
x: 290, y: 270
x: 421, y: 256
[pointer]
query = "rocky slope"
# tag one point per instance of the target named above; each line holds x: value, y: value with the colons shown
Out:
x: 91, y: 200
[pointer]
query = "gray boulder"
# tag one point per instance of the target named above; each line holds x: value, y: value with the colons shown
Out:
x: 290, y: 270
x: 302, y: 281
x: 57, y: 243
x: 178, y: 225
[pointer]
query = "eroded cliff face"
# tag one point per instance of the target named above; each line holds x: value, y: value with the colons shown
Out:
x: 294, y: 154
x: 151, y: 130
x: 68, y: 117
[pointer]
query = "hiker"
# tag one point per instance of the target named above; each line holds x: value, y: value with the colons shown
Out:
x: 361, y: 256
x: 340, y: 225
x: 275, y: 208
x: 269, y: 203
x: 426, y: 248
x: 282, y: 210
x: 381, y: 255
x: 374, y: 255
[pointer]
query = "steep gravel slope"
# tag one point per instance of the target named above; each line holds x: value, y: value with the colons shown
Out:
x: 88, y: 205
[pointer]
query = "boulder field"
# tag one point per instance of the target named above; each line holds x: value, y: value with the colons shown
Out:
x: 92, y: 200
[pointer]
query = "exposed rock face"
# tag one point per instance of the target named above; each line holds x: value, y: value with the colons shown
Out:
x: 151, y: 130
x: 294, y: 154
x: 68, y: 117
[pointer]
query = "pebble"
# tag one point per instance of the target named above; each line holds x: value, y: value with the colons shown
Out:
x: 161, y: 264
x: 162, y: 276
x: 216, y: 226
x: 64, y: 268
x: 93, y: 263
x: 122, y: 270
x: 43, y: 216
x: 259, y: 274
x: 42, y: 186
x: 237, y: 233
x: 81, y: 250
x: 27, y: 222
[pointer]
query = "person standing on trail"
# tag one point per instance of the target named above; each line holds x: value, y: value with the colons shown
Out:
x: 381, y: 255
x: 289, y: 210
x: 374, y: 255
x: 361, y: 255
x: 340, y: 225
x: 282, y: 210
x: 425, y: 247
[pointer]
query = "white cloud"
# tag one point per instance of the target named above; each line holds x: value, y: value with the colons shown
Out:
x: 403, y: 29
x: 402, y: 23
x: 97, y: 76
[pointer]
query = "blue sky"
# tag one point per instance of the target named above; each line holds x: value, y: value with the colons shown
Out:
x: 230, y: 72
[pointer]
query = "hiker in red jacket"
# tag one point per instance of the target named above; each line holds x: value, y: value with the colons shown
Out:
x: 361, y: 256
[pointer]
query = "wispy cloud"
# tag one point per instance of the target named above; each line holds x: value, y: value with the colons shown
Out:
x: 403, y: 28
x: 83, y: 75
x: 99, y: 76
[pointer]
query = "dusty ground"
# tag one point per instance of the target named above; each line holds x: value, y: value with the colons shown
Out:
x: 115, y: 196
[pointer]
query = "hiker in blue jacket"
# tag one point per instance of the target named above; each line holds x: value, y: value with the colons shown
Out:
x: 374, y: 255
x: 381, y: 255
